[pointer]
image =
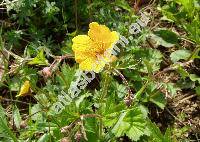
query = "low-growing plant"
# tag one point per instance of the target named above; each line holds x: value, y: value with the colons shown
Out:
x: 46, y: 46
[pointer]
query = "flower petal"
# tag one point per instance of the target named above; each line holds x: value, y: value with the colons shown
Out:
x: 102, y: 36
x: 81, y: 43
x: 99, y: 33
x: 25, y: 89
x: 93, y: 52
x: 91, y: 64
x: 81, y: 56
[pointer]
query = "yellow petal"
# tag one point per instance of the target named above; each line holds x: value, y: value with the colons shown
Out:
x: 91, y: 51
x: 99, y: 33
x: 25, y: 89
x: 81, y: 43
x: 102, y: 36
x: 92, y: 64
x: 114, y: 37
x: 81, y: 56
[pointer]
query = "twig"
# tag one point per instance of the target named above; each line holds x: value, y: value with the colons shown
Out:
x: 174, y: 116
x: 64, y: 56
x: 173, y: 67
x: 4, y: 55
x: 9, y: 100
x: 184, y: 99
x: 187, y: 40
x: 58, y: 59
x: 125, y: 82
x: 128, y: 99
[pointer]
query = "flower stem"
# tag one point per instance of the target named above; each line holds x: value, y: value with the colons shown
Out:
x: 103, y: 95
x: 129, y: 98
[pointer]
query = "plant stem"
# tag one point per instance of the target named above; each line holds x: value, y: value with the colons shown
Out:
x: 69, y: 127
x: 103, y: 95
x: 129, y: 98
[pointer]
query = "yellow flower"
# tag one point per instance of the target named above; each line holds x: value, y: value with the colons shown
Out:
x: 25, y: 89
x: 93, y: 51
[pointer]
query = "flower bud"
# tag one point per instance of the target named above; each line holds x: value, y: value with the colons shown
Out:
x: 78, y: 136
x: 46, y: 72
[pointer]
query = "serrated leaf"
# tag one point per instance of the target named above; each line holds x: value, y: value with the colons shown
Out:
x: 91, y: 125
x: 156, y: 134
x: 36, y: 116
x: 4, y: 129
x: 167, y: 136
x: 66, y: 76
x: 153, y: 56
x: 171, y: 88
x: 130, y: 123
x: 2, y: 113
x: 39, y: 59
x: 159, y: 99
x: 180, y: 54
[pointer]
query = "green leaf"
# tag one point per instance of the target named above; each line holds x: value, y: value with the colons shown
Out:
x: 156, y: 134
x: 66, y: 76
x: 194, y: 78
x: 44, y: 138
x: 159, y: 99
x: 2, y: 113
x: 34, y: 112
x: 180, y: 54
x: 153, y: 56
x: 4, y: 129
x: 80, y: 99
x: 197, y: 89
x: 119, y: 89
x: 171, y: 88
x: 165, y: 37
x: 168, y: 136
x: 123, y: 4
x: 182, y: 72
x: 39, y: 59
x: 193, y: 29
x: 130, y: 123
x: 91, y: 127
x: 17, y: 117
x: 188, y: 6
